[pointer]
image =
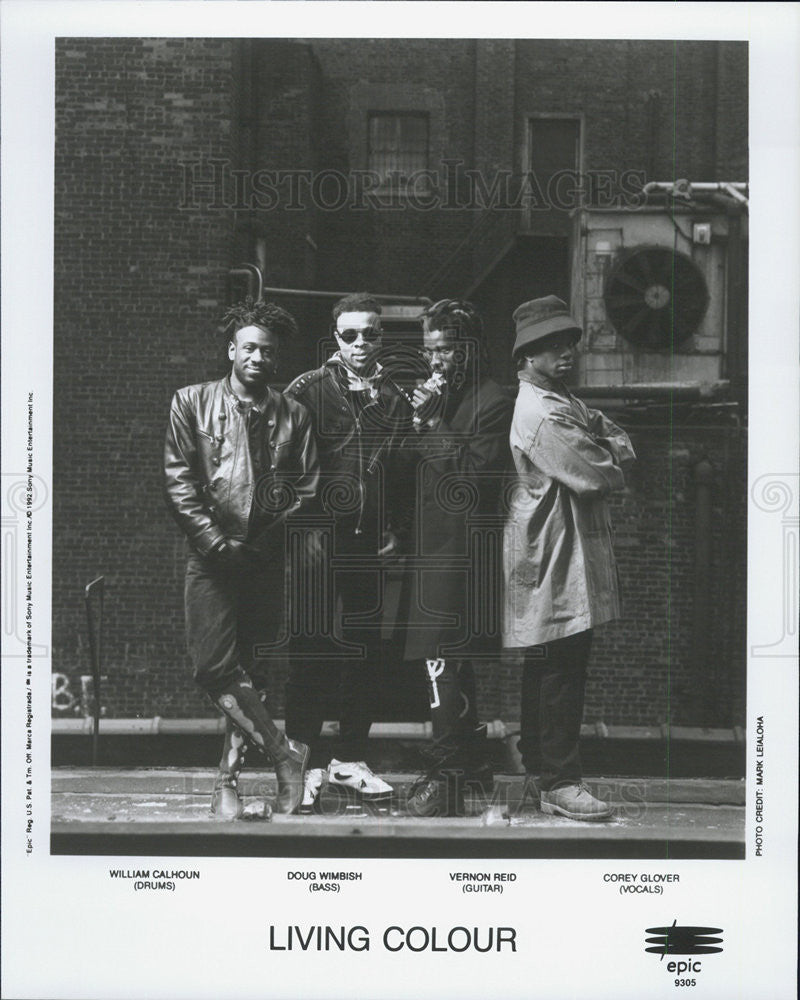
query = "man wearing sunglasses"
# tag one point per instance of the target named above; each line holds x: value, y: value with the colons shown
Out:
x: 359, y: 417
x: 461, y: 423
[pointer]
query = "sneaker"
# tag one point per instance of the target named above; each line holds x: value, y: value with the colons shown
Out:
x: 356, y: 776
x: 258, y: 810
x: 574, y: 802
x: 311, y: 786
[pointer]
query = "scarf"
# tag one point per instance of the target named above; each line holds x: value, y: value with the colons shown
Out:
x: 356, y: 381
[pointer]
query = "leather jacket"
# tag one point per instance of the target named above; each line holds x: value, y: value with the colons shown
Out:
x: 234, y: 470
x: 357, y: 441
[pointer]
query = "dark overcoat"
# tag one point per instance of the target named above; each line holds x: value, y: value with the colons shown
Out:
x: 454, y: 564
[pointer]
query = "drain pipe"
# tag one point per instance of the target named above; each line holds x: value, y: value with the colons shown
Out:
x: 256, y: 288
x: 683, y: 392
x: 702, y: 668
x: 255, y: 280
x: 309, y: 293
x: 736, y: 306
x: 734, y: 189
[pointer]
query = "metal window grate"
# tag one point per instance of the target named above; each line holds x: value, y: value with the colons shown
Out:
x: 398, y: 146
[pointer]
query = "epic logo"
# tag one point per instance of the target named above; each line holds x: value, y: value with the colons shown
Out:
x: 676, y: 940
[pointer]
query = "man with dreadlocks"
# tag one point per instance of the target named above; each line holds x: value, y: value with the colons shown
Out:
x: 462, y: 419
x: 239, y: 459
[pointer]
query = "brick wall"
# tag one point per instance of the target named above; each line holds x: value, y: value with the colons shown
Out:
x: 140, y: 281
x: 672, y: 109
x: 398, y: 248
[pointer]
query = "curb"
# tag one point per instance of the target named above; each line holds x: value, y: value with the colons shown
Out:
x: 496, y: 729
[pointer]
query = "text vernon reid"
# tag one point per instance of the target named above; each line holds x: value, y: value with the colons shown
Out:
x: 468, y: 882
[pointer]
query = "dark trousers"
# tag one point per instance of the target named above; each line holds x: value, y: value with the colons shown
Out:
x: 553, y: 686
x: 451, y: 693
x: 326, y: 680
x: 232, y: 617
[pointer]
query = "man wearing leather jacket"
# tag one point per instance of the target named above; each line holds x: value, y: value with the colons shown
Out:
x: 239, y: 459
x: 359, y: 417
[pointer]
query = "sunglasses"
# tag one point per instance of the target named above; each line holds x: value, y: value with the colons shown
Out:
x: 369, y: 333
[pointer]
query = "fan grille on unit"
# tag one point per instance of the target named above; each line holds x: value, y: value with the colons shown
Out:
x: 655, y: 297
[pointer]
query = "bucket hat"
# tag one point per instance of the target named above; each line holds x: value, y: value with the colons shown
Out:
x: 540, y: 318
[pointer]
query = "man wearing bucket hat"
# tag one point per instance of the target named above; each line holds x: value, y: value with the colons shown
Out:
x: 561, y: 578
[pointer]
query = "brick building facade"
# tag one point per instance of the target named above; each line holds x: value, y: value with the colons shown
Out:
x: 167, y: 161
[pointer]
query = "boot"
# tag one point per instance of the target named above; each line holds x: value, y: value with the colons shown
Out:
x: 477, y: 766
x: 225, y: 801
x: 440, y: 790
x: 290, y: 772
x: 240, y: 703
x: 575, y: 802
x: 441, y: 795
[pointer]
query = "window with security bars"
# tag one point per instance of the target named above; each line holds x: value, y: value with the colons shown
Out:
x: 398, y: 147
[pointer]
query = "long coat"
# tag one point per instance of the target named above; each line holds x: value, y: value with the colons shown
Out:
x: 561, y: 577
x: 455, y: 562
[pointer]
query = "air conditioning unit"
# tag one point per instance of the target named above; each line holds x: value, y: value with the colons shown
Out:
x: 649, y: 286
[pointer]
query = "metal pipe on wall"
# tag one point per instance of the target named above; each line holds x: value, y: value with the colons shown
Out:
x: 417, y: 300
x: 674, y: 392
x: 705, y: 672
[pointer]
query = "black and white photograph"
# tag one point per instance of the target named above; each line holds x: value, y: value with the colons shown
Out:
x: 551, y: 350
x: 399, y: 499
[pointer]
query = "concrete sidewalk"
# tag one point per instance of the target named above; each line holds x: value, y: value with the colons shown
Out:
x: 166, y: 810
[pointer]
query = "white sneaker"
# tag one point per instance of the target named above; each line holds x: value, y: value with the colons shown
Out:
x: 356, y: 776
x: 311, y: 786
